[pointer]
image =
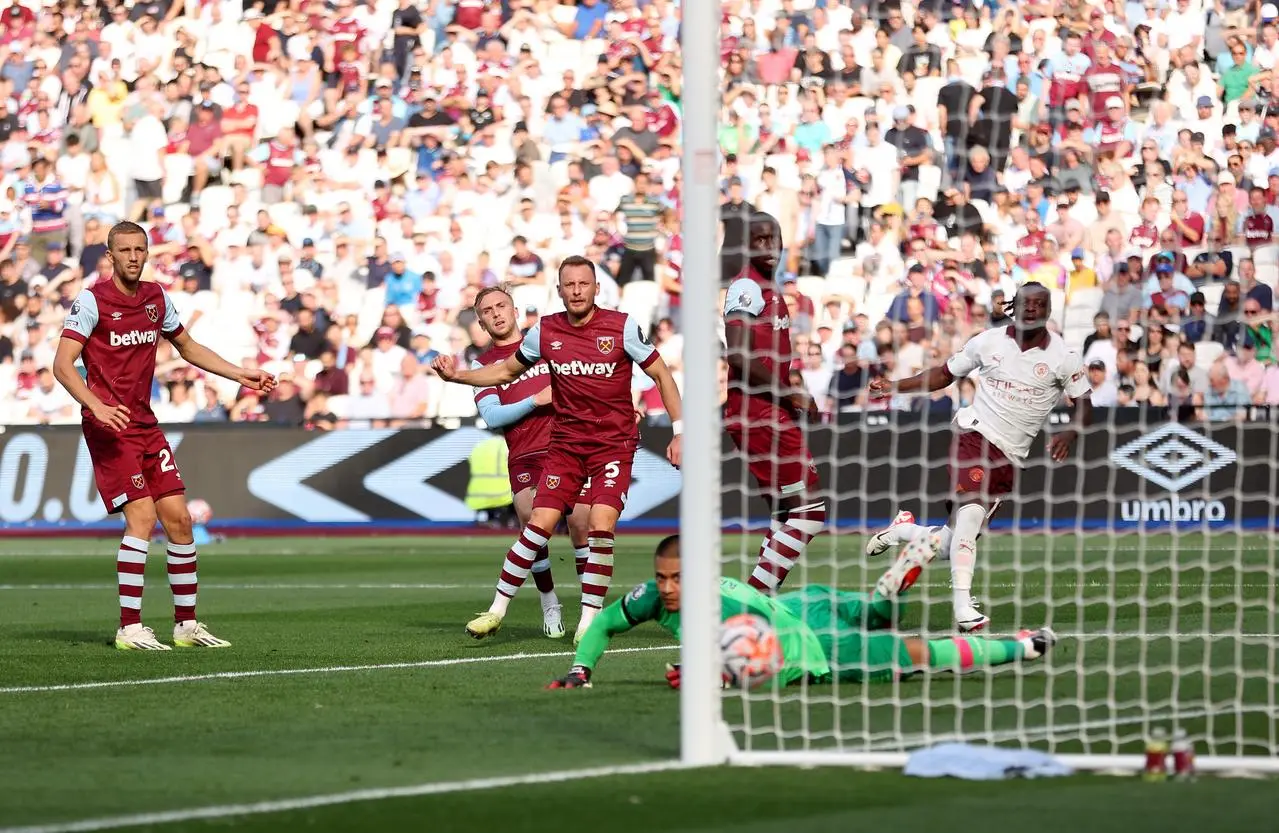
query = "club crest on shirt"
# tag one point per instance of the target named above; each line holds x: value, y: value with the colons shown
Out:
x: 1041, y: 370
x: 605, y: 344
x: 976, y: 475
x: 153, y: 313
x: 75, y: 308
x: 137, y: 481
x: 552, y: 481
x: 523, y: 477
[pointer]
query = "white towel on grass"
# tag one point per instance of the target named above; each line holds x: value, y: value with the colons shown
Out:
x: 982, y: 763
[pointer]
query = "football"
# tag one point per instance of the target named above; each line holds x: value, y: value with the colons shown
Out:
x: 201, y: 511
x: 750, y: 650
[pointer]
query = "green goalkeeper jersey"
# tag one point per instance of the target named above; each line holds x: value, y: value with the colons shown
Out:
x: 801, y: 649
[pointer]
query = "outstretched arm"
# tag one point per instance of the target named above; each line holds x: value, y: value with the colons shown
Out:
x: 932, y: 379
x: 210, y: 362
x: 484, y: 377
x: 611, y: 621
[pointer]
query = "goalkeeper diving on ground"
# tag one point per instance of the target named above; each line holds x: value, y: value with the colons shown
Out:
x: 825, y: 633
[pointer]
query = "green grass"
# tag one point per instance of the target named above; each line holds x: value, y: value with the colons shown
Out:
x: 1175, y: 608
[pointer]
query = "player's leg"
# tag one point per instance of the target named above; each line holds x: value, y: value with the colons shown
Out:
x: 961, y: 654
x: 117, y: 471
x: 981, y: 476
x: 562, y: 477
x: 908, y: 566
x: 188, y: 631
x: 779, y: 461
x: 598, y: 576
x: 130, y: 566
x: 552, y: 610
x: 579, y: 528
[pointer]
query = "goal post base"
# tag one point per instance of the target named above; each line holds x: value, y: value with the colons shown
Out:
x: 1225, y: 765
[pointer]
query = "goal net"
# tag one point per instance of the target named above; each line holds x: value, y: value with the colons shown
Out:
x: 1149, y: 551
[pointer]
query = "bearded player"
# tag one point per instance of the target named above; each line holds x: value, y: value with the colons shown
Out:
x: 591, y: 353
x: 763, y: 411
x: 522, y: 409
x: 825, y: 633
x: 1023, y: 373
x: 115, y: 326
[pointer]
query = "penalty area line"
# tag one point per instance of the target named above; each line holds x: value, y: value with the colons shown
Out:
x: 223, y: 811
x: 293, y: 672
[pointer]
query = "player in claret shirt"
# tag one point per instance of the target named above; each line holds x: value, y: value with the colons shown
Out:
x: 591, y: 353
x: 1023, y: 372
x: 762, y: 413
x: 522, y: 409
x: 115, y: 325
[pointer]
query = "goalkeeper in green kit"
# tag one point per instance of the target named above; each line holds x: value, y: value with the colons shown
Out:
x: 824, y: 633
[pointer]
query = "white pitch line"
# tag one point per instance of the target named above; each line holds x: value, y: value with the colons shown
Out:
x: 376, y: 794
x: 287, y: 672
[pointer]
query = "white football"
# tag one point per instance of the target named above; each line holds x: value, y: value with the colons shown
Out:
x: 750, y: 650
x: 201, y: 511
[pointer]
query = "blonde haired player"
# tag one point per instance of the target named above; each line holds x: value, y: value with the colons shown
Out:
x: 1023, y: 373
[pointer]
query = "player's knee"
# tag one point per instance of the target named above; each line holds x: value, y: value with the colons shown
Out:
x: 544, y: 519
x: 808, y: 516
x: 178, y: 526
x: 602, y: 518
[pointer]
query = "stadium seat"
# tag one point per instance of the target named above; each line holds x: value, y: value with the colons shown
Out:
x: 250, y: 178
x: 1075, y: 335
x: 639, y: 298
x: 929, y: 182
x: 1207, y: 352
x: 813, y: 288
x: 1086, y: 299
x: 214, y: 200
x: 340, y: 406
x: 1059, y: 307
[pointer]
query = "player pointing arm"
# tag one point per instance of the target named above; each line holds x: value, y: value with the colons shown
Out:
x: 115, y: 326
x: 1023, y: 371
x: 591, y: 354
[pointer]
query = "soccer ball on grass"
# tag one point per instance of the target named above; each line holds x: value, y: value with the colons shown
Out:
x: 750, y: 650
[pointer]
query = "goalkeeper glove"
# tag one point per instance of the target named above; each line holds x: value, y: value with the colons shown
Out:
x: 673, y: 676
x: 579, y: 676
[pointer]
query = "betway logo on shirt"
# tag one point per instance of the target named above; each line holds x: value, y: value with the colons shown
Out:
x: 532, y: 373
x: 580, y: 368
x: 133, y: 338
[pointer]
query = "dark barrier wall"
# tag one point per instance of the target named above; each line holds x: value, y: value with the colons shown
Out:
x: 260, y: 477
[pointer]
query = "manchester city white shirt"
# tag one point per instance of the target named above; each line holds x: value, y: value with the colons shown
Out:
x: 1015, y: 390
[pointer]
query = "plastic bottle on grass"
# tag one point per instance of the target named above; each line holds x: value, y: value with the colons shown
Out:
x: 1156, y: 756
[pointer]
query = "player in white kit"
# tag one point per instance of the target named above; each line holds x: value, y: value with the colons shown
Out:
x: 1023, y: 373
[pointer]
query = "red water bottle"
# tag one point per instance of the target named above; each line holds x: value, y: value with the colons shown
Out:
x: 1183, y: 756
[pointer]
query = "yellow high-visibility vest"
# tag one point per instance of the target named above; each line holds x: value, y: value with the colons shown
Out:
x: 490, y: 487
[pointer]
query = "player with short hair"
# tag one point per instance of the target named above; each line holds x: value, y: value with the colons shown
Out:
x: 115, y: 326
x: 591, y: 353
x: 825, y: 633
x: 762, y: 412
x: 1023, y: 373
x: 522, y: 410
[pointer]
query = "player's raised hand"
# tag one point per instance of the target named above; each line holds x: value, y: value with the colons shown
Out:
x: 542, y: 397
x: 444, y: 367
x: 115, y: 417
x: 256, y: 379
x: 579, y: 676
x: 880, y: 388
x: 675, y: 451
x: 1059, y: 445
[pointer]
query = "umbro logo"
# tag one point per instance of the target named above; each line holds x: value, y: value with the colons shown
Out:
x: 1173, y: 457
x: 555, y: 345
x: 115, y: 316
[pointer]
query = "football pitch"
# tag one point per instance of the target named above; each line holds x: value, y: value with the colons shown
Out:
x: 352, y: 700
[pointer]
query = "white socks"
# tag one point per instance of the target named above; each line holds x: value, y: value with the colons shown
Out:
x: 963, y: 553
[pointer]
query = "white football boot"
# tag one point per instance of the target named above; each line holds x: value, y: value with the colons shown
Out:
x: 877, y: 544
x: 138, y: 638
x: 553, y: 622
x: 193, y: 634
x: 909, y: 566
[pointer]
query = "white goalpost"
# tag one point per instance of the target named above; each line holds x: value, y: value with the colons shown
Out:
x: 1151, y: 552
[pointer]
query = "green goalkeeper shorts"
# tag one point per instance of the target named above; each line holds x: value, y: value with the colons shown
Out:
x: 849, y: 627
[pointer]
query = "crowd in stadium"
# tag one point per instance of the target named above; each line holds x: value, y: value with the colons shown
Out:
x: 327, y: 186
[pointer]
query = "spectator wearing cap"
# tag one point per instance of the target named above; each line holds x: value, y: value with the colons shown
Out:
x: 46, y: 200
x: 1081, y: 275
x: 1105, y: 394
x: 1114, y: 134
x: 402, y: 286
